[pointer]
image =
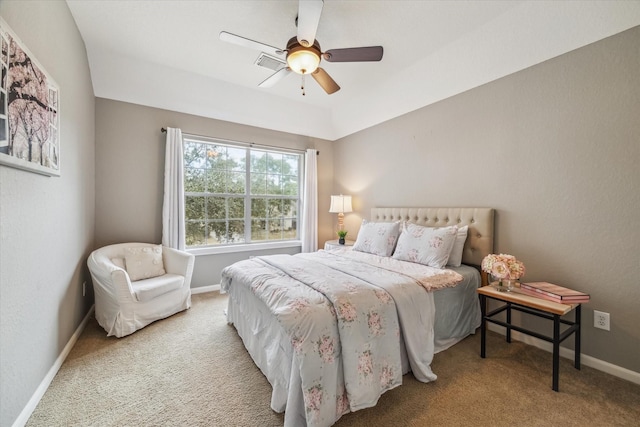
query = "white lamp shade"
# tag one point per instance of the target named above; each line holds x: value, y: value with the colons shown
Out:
x: 340, y: 204
x: 303, y: 61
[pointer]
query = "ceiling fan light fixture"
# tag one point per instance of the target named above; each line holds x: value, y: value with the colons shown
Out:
x: 303, y: 60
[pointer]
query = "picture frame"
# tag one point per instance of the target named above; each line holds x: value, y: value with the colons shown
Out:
x: 29, y: 109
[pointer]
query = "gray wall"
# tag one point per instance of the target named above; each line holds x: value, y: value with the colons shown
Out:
x: 130, y: 170
x: 555, y: 149
x: 46, y: 224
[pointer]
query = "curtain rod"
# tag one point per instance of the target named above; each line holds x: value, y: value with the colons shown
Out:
x: 250, y: 144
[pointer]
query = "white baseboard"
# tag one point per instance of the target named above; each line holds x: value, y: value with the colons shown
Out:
x: 585, y: 359
x: 44, y: 385
x: 203, y: 289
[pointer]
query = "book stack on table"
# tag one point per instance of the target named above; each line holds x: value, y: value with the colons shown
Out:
x: 554, y: 293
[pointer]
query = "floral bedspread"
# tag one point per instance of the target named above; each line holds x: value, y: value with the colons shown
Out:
x: 345, y: 317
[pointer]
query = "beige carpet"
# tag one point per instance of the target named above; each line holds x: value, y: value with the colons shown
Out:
x: 192, y: 370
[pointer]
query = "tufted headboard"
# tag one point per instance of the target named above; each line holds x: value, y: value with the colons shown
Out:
x: 480, y: 221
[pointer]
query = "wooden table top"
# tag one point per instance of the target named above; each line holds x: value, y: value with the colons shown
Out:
x: 527, y: 300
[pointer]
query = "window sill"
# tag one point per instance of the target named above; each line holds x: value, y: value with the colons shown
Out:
x: 252, y: 247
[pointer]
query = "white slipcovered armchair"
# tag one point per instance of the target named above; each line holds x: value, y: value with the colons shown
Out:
x: 161, y: 285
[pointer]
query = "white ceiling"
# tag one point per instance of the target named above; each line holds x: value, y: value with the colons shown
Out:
x: 167, y: 54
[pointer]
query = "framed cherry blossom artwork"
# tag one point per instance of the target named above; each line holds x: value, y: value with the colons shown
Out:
x: 29, y: 110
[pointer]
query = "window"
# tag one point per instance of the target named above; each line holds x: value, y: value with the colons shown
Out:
x: 240, y: 195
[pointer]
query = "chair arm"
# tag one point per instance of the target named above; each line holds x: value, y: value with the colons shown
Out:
x: 111, y: 278
x: 178, y: 262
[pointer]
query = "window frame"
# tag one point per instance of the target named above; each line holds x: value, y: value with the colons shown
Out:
x: 247, y: 196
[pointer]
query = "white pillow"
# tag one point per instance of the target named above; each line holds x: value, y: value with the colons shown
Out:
x: 144, y: 262
x: 425, y: 245
x: 455, y: 257
x: 378, y: 238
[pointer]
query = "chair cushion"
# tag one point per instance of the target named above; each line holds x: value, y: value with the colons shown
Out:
x: 148, y: 289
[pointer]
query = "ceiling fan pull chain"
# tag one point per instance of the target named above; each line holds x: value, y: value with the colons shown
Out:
x: 302, y: 86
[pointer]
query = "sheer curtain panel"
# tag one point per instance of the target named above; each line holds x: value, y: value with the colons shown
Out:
x: 173, y: 228
x: 310, y: 203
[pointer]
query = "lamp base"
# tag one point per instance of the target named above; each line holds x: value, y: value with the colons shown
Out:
x: 340, y: 221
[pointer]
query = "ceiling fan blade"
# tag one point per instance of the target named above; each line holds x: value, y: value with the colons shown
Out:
x: 252, y: 44
x: 354, y: 54
x: 309, y: 12
x: 275, y: 77
x: 325, y: 81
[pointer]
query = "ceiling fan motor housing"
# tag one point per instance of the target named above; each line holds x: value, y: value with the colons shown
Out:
x: 303, y: 60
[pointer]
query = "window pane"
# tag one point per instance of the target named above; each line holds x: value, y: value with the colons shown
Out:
x: 258, y: 230
x: 274, y: 163
x: 290, y: 207
x: 258, y: 183
x: 273, y: 185
x: 237, y: 158
x: 236, y: 231
x: 217, y: 233
x: 194, y: 208
x: 290, y: 164
x: 258, y: 161
x: 216, y: 181
x: 216, y: 157
x: 290, y: 185
x: 258, y: 209
x: 216, y: 208
x: 236, y: 182
x: 194, y: 233
x: 194, y: 180
x: 194, y: 154
x: 236, y: 208
x: 275, y: 208
x: 275, y: 229
x: 290, y: 230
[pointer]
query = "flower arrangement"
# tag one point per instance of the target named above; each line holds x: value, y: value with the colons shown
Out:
x: 503, y: 266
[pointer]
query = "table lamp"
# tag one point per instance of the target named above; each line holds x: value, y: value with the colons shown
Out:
x: 340, y: 205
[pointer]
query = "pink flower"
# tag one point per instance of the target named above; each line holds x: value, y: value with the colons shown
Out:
x: 412, y: 255
x: 299, y: 304
x: 365, y: 364
x: 346, y: 311
x: 503, y: 266
x: 386, y: 376
x: 313, y: 398
x: 296, y: 343
x: 342, y: 403
x: 325, y: 348
x: 375, y: 323
x: 383, y: 296
x: 500, y: 270
x: 436, y: 242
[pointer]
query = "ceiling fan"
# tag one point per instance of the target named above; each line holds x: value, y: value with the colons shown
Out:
x: 303, y: 53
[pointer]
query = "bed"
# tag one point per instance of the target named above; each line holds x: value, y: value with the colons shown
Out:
x: 333, y: 330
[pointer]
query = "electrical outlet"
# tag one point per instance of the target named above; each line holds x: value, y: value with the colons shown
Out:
x: 84, y: 288
x: 600, y: 320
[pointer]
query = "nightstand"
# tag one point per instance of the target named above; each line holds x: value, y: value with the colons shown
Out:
x: 537, y: 307
x: 333, y: 244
